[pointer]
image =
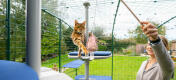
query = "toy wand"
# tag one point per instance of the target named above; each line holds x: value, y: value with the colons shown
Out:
x: 132, y: 12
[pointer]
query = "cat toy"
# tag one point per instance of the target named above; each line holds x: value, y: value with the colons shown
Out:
x: 132, y: 12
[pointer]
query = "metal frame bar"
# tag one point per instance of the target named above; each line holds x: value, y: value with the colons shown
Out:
x: 60, y: 36
x: 8, y: 29
x: 113, y: 37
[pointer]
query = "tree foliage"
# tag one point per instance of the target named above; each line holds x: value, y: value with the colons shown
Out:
x: 50, y: 30
x: 17, y: 28
x: 141, y: 38
x: 98, y: 31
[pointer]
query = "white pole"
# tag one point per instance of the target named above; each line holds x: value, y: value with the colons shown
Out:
x: 87, y: 4
x: 33, y: 46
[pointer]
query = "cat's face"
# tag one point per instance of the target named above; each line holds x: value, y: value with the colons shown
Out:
x: 79, y: 27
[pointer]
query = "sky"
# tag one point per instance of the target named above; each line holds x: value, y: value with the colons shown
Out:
x: 102, y: 12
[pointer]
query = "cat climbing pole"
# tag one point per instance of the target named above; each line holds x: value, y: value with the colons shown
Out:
x: 87, y: 4
x: 86, y: 58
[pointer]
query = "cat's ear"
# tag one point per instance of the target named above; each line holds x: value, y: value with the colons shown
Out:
x: 76, y: 22
x: 84, y: 23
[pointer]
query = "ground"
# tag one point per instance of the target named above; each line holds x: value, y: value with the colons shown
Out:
x: 125, y: 67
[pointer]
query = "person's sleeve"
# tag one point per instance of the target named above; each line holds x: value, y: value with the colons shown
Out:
x: 163, y: 58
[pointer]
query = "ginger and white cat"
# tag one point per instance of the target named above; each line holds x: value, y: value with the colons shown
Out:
x: 78, y: 37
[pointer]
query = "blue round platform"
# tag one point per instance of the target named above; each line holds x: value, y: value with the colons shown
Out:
x: 16, y: 71
x: 96, y: 53
x: 94, y: 77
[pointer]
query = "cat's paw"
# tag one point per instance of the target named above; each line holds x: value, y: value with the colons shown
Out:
x: 79, y: 55
x: 86, y: 52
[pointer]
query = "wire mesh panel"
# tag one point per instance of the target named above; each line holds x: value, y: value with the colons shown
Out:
x: 125, y: 39
x: 56, y: 41
x: 17, y: 31
x: 131, y: 57
x: 100, y: 67
x: 13, y: 35
x: 50, y: 38
x: 2, y: 30
x: 128, y: 42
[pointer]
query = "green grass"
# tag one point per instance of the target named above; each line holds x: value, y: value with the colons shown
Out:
x: 125, y: 67
x: 64, y: 60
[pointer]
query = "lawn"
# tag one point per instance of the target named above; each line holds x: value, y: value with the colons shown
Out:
x: 125, y: 67
x: 64, y: 60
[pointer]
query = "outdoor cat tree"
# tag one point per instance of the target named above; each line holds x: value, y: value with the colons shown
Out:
x: 86, y: 59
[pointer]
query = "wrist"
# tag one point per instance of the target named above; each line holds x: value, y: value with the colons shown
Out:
x: 156, y: 41
x: 153, y: 38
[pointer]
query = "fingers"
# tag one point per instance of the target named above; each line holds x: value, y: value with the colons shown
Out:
x: 152, y: 34
x: 144, y: 22
x: 149, y: 25
x: 149, y: 30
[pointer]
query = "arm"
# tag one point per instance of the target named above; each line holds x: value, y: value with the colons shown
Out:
x: 161, y: 54
x: 163, y: 58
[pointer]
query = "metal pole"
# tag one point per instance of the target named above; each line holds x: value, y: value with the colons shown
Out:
x: 33, y: 46
x: 8, y: 29
x: 60, y: 36
x: 55, y: 16
x: 113, y: 38
x: 166, y: 22
x: 86, y: 69
x: 87, y: 4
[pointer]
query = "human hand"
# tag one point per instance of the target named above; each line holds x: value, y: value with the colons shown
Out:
x: 150, y: 31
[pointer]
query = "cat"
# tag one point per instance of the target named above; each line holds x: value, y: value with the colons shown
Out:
x: 78, y: 37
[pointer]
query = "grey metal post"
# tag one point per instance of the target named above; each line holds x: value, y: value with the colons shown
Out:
x: 87, y: 4
x: 34, y: 34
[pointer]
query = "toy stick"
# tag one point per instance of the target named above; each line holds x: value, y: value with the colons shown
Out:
x: 132, y: 12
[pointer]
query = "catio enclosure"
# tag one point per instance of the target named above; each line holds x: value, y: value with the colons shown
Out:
x: 114, y: 26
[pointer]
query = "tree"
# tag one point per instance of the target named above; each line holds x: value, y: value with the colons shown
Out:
x: 2, y: 30
x: 17, y: 28
x: 67, y: 38
x: 139, y: 35
x: 98, y: 31
x: 50, y: 34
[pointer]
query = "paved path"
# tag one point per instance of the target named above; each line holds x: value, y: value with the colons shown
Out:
x: 49, y: 74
